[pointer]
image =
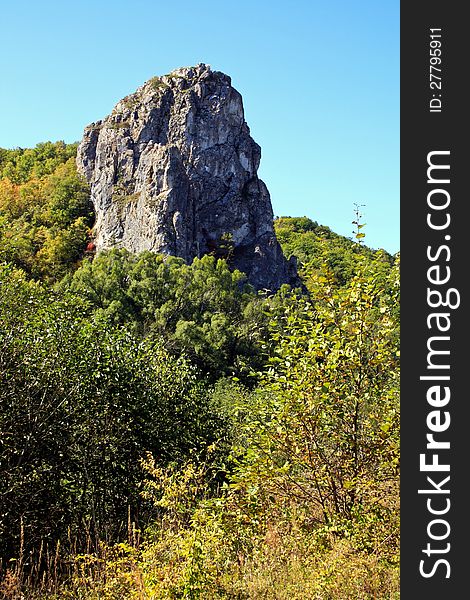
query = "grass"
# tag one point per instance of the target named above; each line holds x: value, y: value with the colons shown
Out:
x: 117, y: 125
x: 122, y: 200
x: 283, y: 567
x: 157, y: 84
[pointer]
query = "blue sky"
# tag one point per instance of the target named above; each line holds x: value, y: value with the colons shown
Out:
x: 319, y: 79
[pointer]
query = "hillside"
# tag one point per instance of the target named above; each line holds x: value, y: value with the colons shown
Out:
x: 167, y: 431
x: 45, y: 210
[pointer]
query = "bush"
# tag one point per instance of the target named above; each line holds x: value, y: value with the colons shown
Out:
x: 80, y: 403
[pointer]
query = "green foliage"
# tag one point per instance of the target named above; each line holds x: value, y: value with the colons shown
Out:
x: 308, y: 507
x: 278, y: 480
x: 45, y: 210
x: 20, y: 165
x: 316, y: 246
x: 80, y: 402
x: 324, y: 431
x: 199, y: 309
x: 306, y: 503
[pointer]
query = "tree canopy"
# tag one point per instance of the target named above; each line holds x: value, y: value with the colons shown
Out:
x: 45, y: 210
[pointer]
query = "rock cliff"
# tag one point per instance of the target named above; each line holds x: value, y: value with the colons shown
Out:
x: 173, y: 169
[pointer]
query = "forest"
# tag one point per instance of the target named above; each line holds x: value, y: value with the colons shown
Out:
x: 167, y: 432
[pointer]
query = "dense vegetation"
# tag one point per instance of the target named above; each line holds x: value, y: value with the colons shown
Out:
x: 317, y: 247
x: 45, y: 210
x: 165, y: 432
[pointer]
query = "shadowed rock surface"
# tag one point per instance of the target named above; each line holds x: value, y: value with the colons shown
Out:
x: 173, y: 169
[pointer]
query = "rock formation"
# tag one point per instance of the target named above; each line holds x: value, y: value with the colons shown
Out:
x: 173, y: 169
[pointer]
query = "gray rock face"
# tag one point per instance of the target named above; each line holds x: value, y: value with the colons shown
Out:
x: 173, y: 169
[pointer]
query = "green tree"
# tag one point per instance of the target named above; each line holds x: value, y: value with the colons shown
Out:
x: 22, y: 164
x: 201, y: 309
x: 316, y: 246
x: 81, y: 400
x: 45, y: 210
x: 323, y: 432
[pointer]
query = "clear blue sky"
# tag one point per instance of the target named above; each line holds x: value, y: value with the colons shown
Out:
x: 319, y: 79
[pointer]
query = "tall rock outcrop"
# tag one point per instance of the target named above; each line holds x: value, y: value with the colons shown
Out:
x: 173, y: 169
